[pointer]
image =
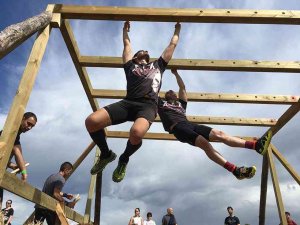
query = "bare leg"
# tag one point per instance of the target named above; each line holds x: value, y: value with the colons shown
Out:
x: 211, y: 153
x: 138, y: 130
x: 97, y: 120
x: 217, y: 135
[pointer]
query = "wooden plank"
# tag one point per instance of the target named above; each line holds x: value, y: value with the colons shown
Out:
x: 61, y: 215
x: 286, y: 164
x: 183, y: 15
x: 89, y: 201
x: 203, y: 64
x: 263, y: 190
x: 153, y: 136
x: 285, y: 118
x: 211, y: 97
x: 70, y: 41
x: 276, y: 187
x: 82, y: 157
x: 261, y: 122
x: 21, y: 98
x: 97, y: 212
x: 12, y: 184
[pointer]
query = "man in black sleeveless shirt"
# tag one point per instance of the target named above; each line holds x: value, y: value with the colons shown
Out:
x: 140, y: 104
x: 173, y: 116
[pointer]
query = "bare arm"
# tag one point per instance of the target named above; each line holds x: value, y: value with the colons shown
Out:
x: 9, y: 220
x: 182, y: 90
x: 57, y: 195
x: 168, y: 53
x: 17, y: 151
x: 127, y: 52
x: 130, y: 221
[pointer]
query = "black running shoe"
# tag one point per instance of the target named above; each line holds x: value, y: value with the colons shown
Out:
x: 244, y: 172
x: 101, y: 163
x: 263, y: 143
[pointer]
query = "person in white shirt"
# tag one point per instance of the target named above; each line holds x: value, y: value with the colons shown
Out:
x: 136, y: 219
x: 149, y: 220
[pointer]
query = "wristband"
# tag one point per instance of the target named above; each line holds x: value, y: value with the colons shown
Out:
x: 24, y: 172
x: 65, y: 195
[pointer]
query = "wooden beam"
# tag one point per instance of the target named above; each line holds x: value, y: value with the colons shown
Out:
x: 203, y: 64
x: 263, y: 190
x: 12, y: 184
x: 153, y: 136
x: 82, y: 157
x: 261, y: 122
x: 14, y: 35
x: 212, y: 97
x: 61, y: 215
x: 89, y: 201
x: 97, y: 212
x: 183, y: 15
x: 21, y: 98
x: 286, y: 164
x: 285, y: 118
x: 70, y: 41
x: 276, y: 187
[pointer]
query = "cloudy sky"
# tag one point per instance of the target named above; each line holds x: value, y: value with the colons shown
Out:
x: 161, y: 174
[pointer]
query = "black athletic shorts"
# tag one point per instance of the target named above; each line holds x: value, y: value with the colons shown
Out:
x: 187, y: 132
x: 129, y: 110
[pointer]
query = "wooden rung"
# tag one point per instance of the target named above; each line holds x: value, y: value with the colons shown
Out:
x: 183, y: 15
x: 203, y: 64
x: 211, y: 97
x: 153, y: 136
x: 261, y: 122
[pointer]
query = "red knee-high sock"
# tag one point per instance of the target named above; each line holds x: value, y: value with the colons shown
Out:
x: 250, y: 144
x: 229, y: 166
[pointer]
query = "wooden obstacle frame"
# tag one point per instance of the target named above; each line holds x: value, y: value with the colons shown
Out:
x: 61, y: 14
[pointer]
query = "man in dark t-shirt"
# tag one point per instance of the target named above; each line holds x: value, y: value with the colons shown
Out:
x: 8, y: 213
x: 169, y: 218
x: 53, y: 187
x: 231, y: 219
x: 140, y: 104
x: 172, y: 112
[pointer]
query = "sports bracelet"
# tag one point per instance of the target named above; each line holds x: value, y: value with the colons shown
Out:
x: 65, y: 195
x: 24, y: 172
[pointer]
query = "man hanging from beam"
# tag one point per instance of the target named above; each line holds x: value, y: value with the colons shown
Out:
x: 172, y: 113
x: 140, y: 104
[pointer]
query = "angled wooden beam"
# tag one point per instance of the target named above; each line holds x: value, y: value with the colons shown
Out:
x: 12, y: 184
x: 276, y: 187
x: 89, y: 201
x: 203, y: 64
x: 285, y: 118
x: 153, y: 136
x: 70, y: 41
x: 14, y: 35
x: 286, y: 164
x: 263, y: 190
x: 182, y: 15
x: 82, y: 157
x: 260, y: 122
x: 211, y: 97
x: 15, y: 115
x: 61, y: 215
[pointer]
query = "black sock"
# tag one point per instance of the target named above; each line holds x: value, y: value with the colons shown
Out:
x: 100, y: 140
x: 130, y: 149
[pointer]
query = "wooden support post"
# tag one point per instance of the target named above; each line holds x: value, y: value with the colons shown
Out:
x: 202, y: 64
x: 263, y: 190
x: 213, y: 97
x: 286, y: 164
x: 14, y: 35
x: 276, y: 187
x: 69, y: 38
x: 285, y: 118
x: 17, y: 109
x: 88, y: 206
x: 61, y: 215
x: 97, y: 213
